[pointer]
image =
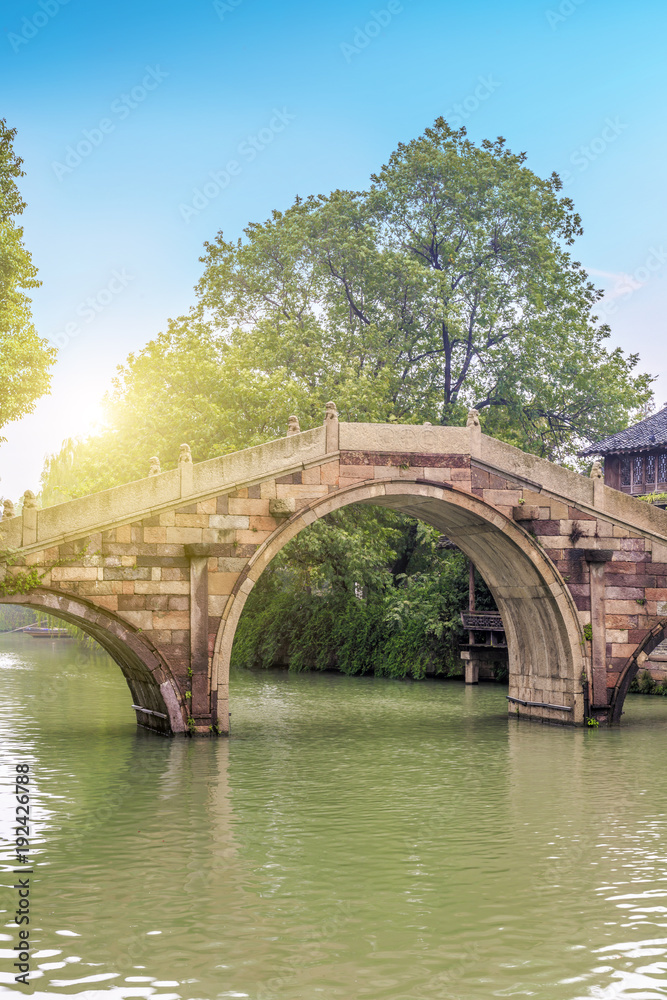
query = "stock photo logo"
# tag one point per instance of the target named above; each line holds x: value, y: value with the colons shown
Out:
x: 31, y: 26
x: 625, y: 285
x: 458, y: 113
x: 122, y: 107
x: 583, y: 156
x: 249, y: 150
x: 363, y: 37
x: 91, y: 307
x: 563, y: 11
x: 222, y: 7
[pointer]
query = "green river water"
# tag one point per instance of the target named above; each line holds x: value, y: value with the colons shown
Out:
x: 353, y: 838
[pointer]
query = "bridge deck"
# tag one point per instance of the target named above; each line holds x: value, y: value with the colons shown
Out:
x: 148, y: 497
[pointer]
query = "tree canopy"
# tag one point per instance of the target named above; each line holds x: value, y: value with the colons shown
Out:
x: 362, y: 591
x: 449, y: 283
x: 25, y: 358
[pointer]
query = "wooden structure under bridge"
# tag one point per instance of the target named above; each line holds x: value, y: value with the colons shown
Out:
x: 485, y: 658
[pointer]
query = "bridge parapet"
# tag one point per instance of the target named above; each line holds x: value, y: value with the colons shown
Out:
x: 168, y: 561
x: 545, y: 478
x: 145, y: 497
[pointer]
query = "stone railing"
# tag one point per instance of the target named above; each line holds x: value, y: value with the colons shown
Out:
x: 298, y: 450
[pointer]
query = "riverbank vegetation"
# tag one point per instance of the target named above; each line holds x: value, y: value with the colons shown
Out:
x: 448, y: 283
x: 25, y: 357
x: 360, y: 591
x: 644, y: 683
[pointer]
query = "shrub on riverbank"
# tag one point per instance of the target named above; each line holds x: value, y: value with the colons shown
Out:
x: 645, y: 684
x: 361, y: 593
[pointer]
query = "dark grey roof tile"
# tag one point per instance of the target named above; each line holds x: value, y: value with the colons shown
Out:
x: 648, y: 433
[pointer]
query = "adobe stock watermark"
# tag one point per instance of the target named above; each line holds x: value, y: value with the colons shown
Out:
x: 564, y: 10
x: 584, y: 155
x: 121, y: 107
x: 457, y: 116
x: 379, y: 19
x: 90, y: 308
x: 31, y: 26
x: 625, y: 285
x: 248, y: 150
x: 223, y: 7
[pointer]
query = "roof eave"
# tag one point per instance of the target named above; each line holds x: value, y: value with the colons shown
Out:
x: 621, y: 450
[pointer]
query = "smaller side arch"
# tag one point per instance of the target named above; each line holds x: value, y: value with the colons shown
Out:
x: 147, y: 674
x: 632, y: 665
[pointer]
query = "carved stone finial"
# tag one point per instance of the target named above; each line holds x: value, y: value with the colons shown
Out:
x: 154, y: 469
x: 596, y: 470
x: 8, y: 510
x: 185, y: 455
x: 427, y: 423
x: 331, y: 412
x: 293, y: 426
x: 30, y: 500
x: 473, y: 418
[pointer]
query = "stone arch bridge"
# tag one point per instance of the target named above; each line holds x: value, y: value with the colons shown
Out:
x: 158, y: 570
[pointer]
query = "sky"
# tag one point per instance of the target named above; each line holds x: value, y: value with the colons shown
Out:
x: 129, y: 113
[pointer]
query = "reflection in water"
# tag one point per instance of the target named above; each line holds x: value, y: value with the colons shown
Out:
x: 354, y: 838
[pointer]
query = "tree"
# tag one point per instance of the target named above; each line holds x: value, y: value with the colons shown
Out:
x: 25, y: 358
x: 447, y: 284
x: 362, y: 591
x: 184, y: 386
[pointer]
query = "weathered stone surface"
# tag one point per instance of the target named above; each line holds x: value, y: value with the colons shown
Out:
x: 282, y: 506
x: 128, y: 552
x: 127, y: 573
x: 525, y: 512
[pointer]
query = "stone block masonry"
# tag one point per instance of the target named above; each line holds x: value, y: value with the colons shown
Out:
x: 159, y: 570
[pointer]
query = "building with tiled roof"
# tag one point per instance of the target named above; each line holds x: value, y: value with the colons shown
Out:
x: 635, y: 460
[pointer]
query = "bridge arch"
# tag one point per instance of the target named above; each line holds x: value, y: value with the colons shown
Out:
x: 545, y: 640
x: 148, y: 676
x: 633, y: 665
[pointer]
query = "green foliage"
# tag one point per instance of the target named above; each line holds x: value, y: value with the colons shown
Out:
x: 391, y: 609
x: 501, y: 673
x: 25, y: 358
x: 658, y: 498
x: 645, y: 684
x: 588, y: 632
x: 592, y: 723
x: 448, y: 283
x: 24, y: 580
x: 13, y: 616
x: 353, y: 635
x: 21, y: 582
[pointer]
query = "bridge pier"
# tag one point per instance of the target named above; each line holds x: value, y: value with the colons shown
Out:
x: 597, y: 560
x: 199, y: 720
x: 481, y: 663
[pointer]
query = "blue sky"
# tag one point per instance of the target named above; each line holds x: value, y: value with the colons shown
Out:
x: 125, y: 110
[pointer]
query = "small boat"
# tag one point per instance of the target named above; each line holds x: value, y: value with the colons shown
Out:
x: 37, y: 632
